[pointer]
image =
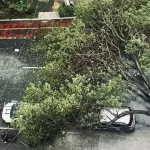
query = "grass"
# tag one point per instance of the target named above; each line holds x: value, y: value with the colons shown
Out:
x: 6, y: 13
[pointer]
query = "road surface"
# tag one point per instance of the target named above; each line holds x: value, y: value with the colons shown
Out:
x: 138, y: 140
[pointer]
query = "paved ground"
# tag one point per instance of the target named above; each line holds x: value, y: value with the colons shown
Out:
x: 138, y: 140
x: 13, y: 78
x: 12, y: 75
x: 13, y: 146
x: 48, y: 15
x: 13, y: 81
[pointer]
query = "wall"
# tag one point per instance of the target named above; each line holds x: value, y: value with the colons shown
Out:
x: 19, y: 29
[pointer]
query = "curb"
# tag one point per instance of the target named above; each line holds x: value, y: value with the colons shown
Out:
x: 37, y: 19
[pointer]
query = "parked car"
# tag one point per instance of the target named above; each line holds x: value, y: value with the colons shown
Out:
x: 10, y: 110
x: 125, y: 123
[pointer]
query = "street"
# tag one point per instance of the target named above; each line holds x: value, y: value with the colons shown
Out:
x: 138, y: 140
x: 103, y: 140
x: 13, y: 78
x: 13, y: 82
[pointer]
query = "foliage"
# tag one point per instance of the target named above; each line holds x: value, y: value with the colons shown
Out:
x: 21, y: 5
x: 101, y: 95
x: 46, y: 111
x: 41, y: 120
x: 121, y: 29
x: 58, y: 50
x: 145, y: 62
x: 66, y: 11
x: 83, y: 64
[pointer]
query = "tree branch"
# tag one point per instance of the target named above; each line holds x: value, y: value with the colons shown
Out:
x: 147, y: 113
x: 141, y: 72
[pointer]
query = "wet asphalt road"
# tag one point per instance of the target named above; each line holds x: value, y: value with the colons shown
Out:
x: 13, y: 81
x: 138, y: 140
x: 12, y: 75
x: 103, y: 140
x: 13, y: 78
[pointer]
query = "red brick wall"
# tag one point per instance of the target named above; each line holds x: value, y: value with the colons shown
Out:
x: 29, y: 28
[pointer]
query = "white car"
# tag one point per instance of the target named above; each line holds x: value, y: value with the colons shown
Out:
x: 9, y: 111
x: 125, y: 123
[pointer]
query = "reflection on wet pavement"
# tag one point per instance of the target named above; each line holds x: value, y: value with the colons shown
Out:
x: 12, y: 76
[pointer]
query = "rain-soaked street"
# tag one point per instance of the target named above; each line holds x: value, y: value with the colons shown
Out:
x: 14, y: 78
x: 102, y: 140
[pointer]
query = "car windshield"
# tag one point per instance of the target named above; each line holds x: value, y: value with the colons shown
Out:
x: 14, y: 111
x: 109, y: 114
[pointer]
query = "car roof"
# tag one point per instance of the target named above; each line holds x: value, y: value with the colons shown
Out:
x: 110, y: 113
x: 6, y: 112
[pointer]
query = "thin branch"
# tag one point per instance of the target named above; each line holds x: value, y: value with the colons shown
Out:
x: 140, y: 71
x: 132, y: 83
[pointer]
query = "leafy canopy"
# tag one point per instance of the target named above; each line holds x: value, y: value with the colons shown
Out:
x: 21, y: 5
x: 82, y: 67
x: 46, y: 111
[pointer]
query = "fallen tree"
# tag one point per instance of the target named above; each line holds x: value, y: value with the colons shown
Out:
x: 82, y: 68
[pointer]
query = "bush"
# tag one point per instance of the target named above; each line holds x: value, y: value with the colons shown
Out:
x: 66, y: 11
